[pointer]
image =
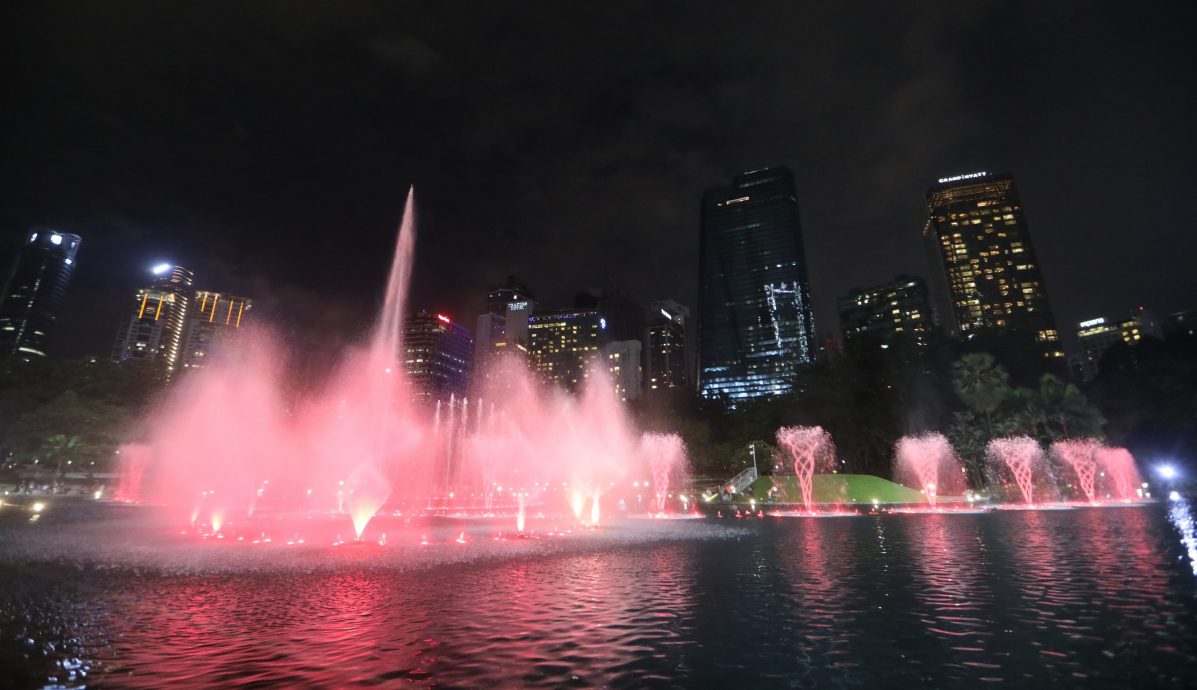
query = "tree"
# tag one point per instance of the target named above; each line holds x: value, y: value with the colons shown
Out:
x: 62, y: 450
x: 981, y: 383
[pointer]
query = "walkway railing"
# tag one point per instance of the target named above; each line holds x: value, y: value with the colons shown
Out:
x: 741, y: 481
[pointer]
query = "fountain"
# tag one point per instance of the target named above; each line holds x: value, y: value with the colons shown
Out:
x: 234, y: 438
x: 666, y: 455
x: 928, y: 463
x: 811, y: 449
x: 1119, y: 466
x: 1022, y: 456
x: 133, y: 461
x: 1081, y: 455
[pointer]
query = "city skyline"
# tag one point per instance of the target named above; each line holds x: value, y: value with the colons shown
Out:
x: 590, y: 197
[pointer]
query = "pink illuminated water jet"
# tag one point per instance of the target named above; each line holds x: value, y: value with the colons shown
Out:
x: 666, y: 454
x: 1119, y: 466
x: 811, y: 449
x: 1022, y: 456
x: 1081, y: 455
x: 928, y: 463
x: 235, y: 438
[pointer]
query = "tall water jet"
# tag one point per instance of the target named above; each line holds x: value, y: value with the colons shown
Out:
x: 928, y: 463
x: 133, y: 461
x: 666, y: 454
x: 811, y: 449
x: 1081, y: 455
x: 1022, y: 456
x: 1119, y: 466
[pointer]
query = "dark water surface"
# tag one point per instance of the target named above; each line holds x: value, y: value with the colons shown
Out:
x: 1077, y: 598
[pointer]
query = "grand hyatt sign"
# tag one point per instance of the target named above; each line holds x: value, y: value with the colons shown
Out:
x: 957, y: 178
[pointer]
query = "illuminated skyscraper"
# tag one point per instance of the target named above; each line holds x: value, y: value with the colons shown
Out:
x: 985, y: 274
x: 665, y: 362
x: 755, y: 326
x: 158, y: 320
x: 504, y: 326
x: 436, y: 357
x: 884, y: 313
x: 623, y: 365
x: 214, y: 317
x: 563, y: 345
x: 34, y: 291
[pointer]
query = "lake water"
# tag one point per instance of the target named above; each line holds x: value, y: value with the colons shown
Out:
x: 101, y: 596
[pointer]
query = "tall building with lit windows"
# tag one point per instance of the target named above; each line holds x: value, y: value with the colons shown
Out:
x: 436, y: 357
x: 564, y: 345
x: 755, y: 325
x: 985, y: 274
x: 157, y: 326
x: 624, y: 368
x: 881, y: 314
x: 666, y: 360
x: 214, y: 318
x: 1095, y: 336
x: 504, y: 326
x: 34, y: 291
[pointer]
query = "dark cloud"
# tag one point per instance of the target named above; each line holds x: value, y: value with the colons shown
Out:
x: 270, y: 145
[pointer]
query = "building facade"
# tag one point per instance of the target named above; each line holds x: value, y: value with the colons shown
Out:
x: 666, y: 359
x: 564, y: 345
x: 623, y: 366
x: 755, y: 324
x: 884, y: 313
x: 157, y: 326
x: 504, y: 326
x: 1095, y: 336
x: 214, y: 317
x: 436, y: 357
x: 985, y: 275
x: 34, y: 291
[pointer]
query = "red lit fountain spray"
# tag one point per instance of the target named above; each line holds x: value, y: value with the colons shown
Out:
x: 928, y: 463
x: 1081, y: 455
x: 812, y: 450
x: 1022, y: 456
x: 666, y: 456
x: 234, y: 437
x: 1119, y: 466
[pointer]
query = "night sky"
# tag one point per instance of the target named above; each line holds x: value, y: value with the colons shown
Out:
x: 269, y: 146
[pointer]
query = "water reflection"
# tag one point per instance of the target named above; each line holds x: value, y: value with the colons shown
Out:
x: 1181, y: 516
x: 1089, y: 596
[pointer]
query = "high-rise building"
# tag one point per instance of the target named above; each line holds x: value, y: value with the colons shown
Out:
x: 504, y: 326
x: 563, y: 345
x: 214, y: 317
x: 1095, y: 336
x: 158, y: 320
x: 34, y: 291
x: 666, y: 361
x: 985, y: 275
x: 884, y: 313
x: 623, y: 365
x: 436, y: 357
x: 755, y: 325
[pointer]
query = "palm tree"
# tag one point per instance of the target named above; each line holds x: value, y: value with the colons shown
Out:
x: 63, y: 449
x: 981, y: 383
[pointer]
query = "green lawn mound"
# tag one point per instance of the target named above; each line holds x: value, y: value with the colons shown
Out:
x: 836, y: 488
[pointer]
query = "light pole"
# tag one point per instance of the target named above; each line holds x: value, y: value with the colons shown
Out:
x: 752, y: 449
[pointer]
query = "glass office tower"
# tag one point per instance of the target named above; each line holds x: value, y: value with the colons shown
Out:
x: 755, y: 326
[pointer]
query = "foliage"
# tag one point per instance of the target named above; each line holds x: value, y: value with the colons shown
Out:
x: 62, y: 450
x: 97, y: 403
